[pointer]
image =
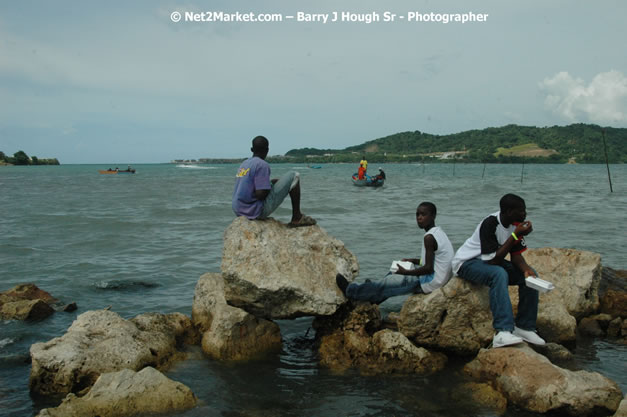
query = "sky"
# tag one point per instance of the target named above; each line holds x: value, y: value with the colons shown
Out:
x: 123, y: 82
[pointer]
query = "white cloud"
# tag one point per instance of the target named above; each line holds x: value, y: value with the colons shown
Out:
x: 604, y: 100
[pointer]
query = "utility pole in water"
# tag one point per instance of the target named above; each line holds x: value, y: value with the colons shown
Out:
x: 607, y: 164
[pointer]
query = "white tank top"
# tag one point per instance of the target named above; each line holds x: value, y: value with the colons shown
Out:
x: 442, y: 268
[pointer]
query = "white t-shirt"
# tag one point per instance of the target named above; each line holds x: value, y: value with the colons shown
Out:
x: 489, y: 235
x: 442, y: 262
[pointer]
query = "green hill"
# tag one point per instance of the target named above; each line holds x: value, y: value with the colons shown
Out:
x: 581, y: 143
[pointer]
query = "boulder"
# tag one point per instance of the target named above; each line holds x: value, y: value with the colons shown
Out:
x: 613, y: 292
x: 455, y: 318
x: 101, y: 341
x: 576, y: 275
x: 396, y: 354
x: 622, y: 409
x: 352, y: 339
x: 554, y: 352
x: 229, y: 333
x: 277, y: 272
x: 127, y: 393
x: 614, y: 303
x: 26, y: 302
x: 28, y: 292
x: 530, y: 381
x: 614, y: 328
x: 25, y: 310
x: 486, y: 396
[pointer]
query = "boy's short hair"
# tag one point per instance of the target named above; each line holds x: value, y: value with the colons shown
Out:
x: 430, y: 206
x: 260, y: 143
x: 511, y: 201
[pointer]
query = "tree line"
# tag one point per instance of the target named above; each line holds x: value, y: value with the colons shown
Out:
x: 21, y: 158
x: 581, y: 143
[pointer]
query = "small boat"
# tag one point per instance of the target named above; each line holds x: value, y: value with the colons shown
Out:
x: 368, y: 181
x: 116, y: 171
x: 315, y: 166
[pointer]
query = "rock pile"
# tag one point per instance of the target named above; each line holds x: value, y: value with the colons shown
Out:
x: 26, y: 302
x: 353, y: 338
x: 270, y: 272
x: 101, y: 341
x: 127, y: 393
x: 530, y: 381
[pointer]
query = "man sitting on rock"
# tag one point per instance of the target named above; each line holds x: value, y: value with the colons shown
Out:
x: 481, y: 260
x: 256, y: 196
x: 433, y: 272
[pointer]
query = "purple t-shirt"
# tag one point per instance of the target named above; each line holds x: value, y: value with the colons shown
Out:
x: 253, y: 174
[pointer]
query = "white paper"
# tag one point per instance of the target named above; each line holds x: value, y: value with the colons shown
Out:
x: 404, y: 264
x: 539, y: 284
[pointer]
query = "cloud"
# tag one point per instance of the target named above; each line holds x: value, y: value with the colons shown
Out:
x: 604, y: 100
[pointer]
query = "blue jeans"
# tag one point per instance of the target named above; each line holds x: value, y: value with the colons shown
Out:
x: 279, y: 191
x: 498, y: 277
x: 380, y: 290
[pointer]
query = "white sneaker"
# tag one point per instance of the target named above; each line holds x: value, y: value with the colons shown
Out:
x: 504, y: 338
x: 529, y: 336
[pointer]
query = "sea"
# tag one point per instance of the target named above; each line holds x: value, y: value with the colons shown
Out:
x: 138, y: 243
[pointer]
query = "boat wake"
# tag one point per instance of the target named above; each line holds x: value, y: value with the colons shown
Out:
x: 194, y: 167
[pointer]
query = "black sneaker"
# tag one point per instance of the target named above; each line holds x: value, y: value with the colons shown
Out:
x: 342, y: 283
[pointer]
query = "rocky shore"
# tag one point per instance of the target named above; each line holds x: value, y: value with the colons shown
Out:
x: 105, y: 365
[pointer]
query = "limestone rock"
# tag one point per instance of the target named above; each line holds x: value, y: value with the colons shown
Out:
x: 101, y: 341
x: 28, y: 292
x: 277, y: 272
x: 26, y: 302
x: 455, y: 318
x: 614, y: 303
x: 396, y: 354
x: 588, y: 326
x: 352, y: 339
x: 614, y: 328
x: 229, y: 333
x: 486, y: 396
x: 576, y: 275
x: 554, y: 352
x: 25, y: 310
x: 554, y: 323
x: 127, y: 393
x: 622, y: 409
x: 530, y: 381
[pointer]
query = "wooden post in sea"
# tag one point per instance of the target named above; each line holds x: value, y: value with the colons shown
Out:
x: 607, y: 164
x: 483, y: 175
x: 522, y: 170
x: 454, y: 164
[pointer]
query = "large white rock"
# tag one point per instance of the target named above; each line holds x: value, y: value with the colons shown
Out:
x: 455, y: 318
x: 127, y: 393
x: 277, y: 272
x: 576, y: 275
x: 101, y: 341
x: 229, y: 333
x: 530, y: 381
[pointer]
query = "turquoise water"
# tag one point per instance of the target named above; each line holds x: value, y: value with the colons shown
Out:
x: 138, y: 243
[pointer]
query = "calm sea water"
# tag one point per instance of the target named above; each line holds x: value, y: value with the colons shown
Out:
x: 138, y: 243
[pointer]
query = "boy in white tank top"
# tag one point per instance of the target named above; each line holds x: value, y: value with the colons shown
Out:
x: 432, y: 272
